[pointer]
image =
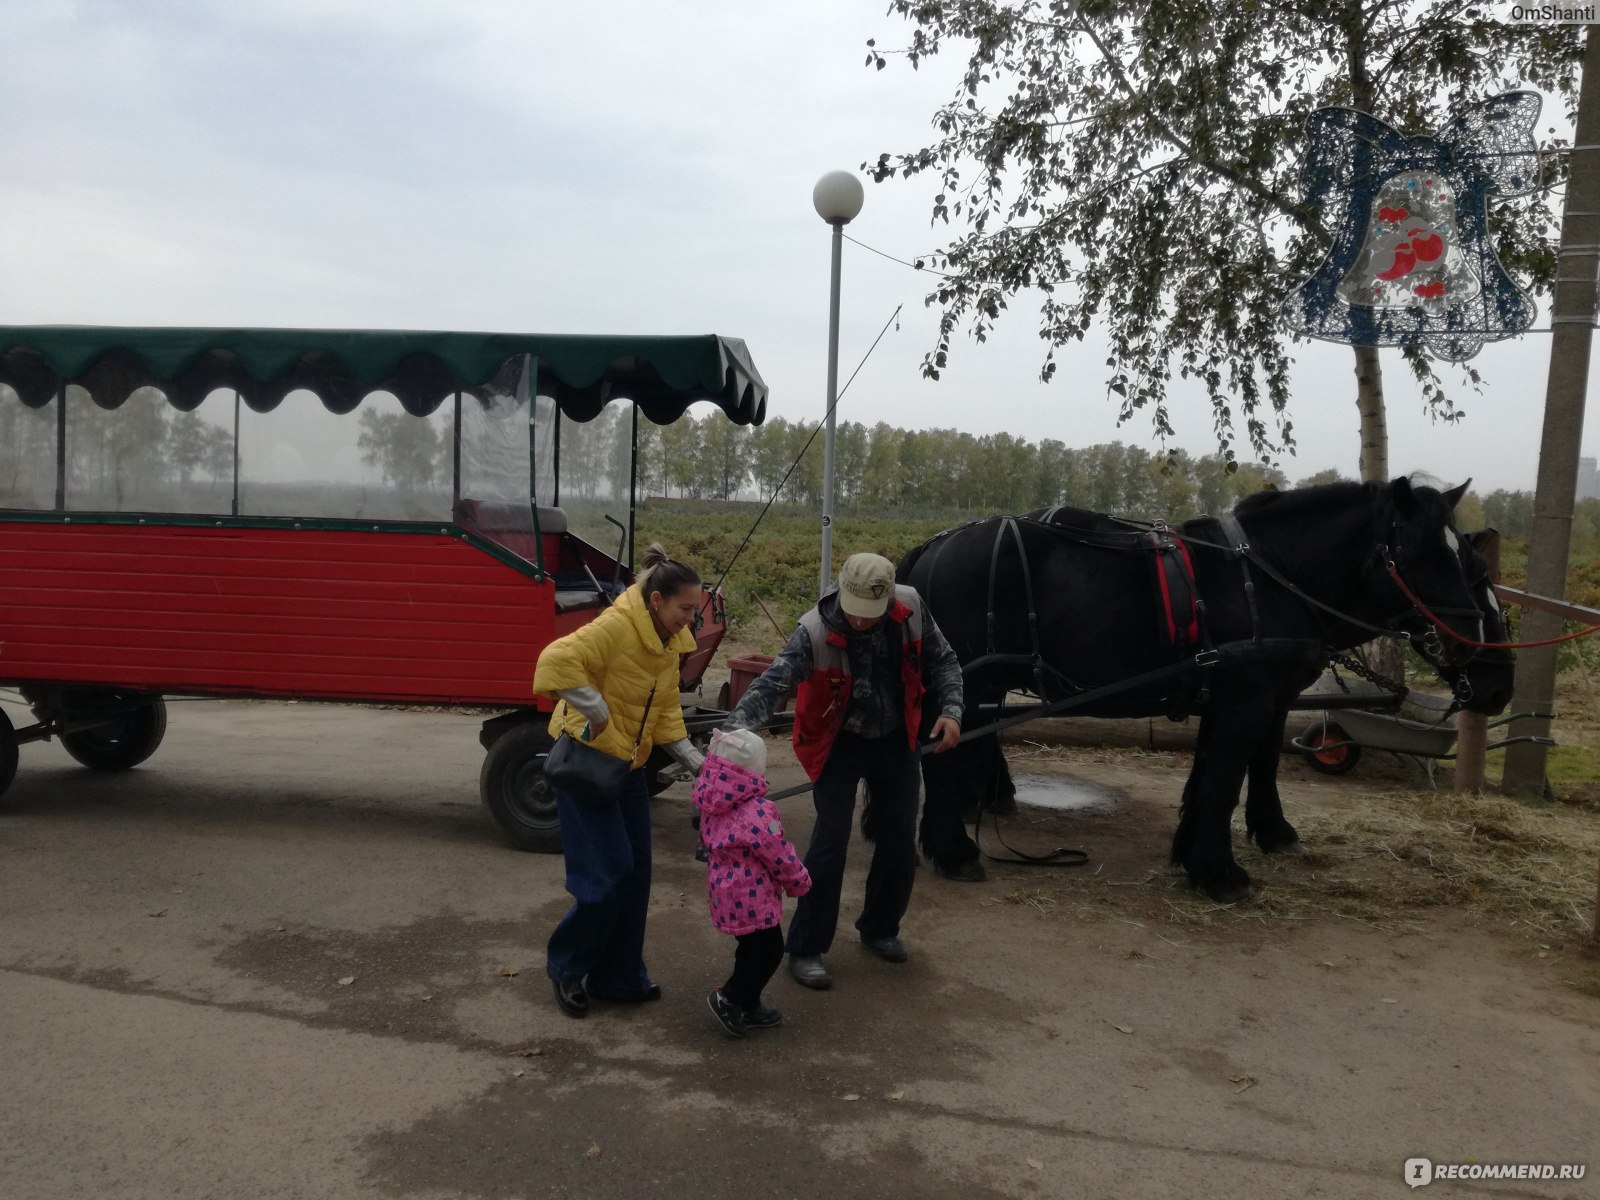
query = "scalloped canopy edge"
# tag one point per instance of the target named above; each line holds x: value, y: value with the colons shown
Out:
x: 663, y: 375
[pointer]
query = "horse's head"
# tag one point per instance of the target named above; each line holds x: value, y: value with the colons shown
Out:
x: 1483, y: 683
x: 1424, y: 557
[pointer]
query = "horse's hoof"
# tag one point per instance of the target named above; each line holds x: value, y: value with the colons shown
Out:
x: 1227, y: 893
x: 970, y: 871
x: 1294, y: 847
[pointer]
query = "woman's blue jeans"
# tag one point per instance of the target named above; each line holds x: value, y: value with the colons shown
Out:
x: 608, y: 873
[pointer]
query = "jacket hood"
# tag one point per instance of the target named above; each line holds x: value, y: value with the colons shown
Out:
x: 724, y: 785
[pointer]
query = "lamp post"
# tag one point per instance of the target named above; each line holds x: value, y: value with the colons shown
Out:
x: 837, y: 199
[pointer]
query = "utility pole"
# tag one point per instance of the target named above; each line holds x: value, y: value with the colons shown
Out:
x: 1572, y: 318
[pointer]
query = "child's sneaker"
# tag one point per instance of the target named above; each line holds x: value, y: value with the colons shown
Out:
x: 762, y: 1017
x: 729, y: 1017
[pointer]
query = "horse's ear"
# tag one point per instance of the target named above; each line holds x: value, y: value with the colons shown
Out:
x: 1404, y: 499
x: 1453, y: 496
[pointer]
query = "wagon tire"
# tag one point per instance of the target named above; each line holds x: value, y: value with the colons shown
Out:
x: 1336, y: 759
x: 8, y: 753
x: 123, y: 742
x: 516, y: 791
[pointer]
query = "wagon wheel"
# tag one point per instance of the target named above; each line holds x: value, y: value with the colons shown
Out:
x: 1326, y: 754
x: 125, y: 739
x: 8, y: 752
x: 723, y: 696
x: 517, y: 793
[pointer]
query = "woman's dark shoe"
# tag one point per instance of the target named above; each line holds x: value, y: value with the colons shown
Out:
x: 652, y: 991
x: 571, y: 998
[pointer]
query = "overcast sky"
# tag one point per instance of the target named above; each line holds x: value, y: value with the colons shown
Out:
x: 585, y: 167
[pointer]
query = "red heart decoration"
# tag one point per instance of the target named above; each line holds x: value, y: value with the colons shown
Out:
x: 1430, y: 291
x: 1404, y: 260
x: 1393, y: 215
x: 1427, y: 248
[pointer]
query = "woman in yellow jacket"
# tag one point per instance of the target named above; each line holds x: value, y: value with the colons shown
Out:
x: 616, y: 673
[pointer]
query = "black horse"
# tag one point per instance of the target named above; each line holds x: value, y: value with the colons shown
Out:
x: 1231, y: 619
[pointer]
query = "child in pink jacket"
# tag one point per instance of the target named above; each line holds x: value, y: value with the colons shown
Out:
x: 751, y: 867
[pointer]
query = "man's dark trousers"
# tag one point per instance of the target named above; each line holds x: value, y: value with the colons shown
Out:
x: 890, y: 769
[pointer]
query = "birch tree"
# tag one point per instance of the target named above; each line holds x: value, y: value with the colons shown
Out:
x: 1135, y: 167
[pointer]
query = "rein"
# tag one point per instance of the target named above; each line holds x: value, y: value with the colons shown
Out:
x: 1416, y: 602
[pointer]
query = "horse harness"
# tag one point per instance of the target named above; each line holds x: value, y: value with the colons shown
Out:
x: 1182, y: 612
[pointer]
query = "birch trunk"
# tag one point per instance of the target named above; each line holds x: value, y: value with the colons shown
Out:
x: 1387, y: 655
x: 1374, y: 461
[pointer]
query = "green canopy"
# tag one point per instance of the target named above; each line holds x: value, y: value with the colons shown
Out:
x: 663, y: 375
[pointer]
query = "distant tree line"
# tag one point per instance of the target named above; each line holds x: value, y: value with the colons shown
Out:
x: 882, y: 468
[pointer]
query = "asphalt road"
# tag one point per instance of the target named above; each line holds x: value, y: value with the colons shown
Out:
x: 292, y: 957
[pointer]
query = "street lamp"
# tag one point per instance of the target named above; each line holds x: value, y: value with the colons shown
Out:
x: 837, y: 199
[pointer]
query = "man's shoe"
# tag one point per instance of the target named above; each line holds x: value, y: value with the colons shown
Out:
x: 762, y: 1017
x: 652, y: 991
x: 729, y: 1017
x: 810, y: 971
x: 890, y: 949
x: 571, y: 998
x: 970, y: 871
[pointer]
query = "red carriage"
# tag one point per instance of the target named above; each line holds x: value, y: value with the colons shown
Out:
x: 330, y: 515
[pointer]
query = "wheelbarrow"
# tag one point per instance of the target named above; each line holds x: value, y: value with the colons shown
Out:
x: 1334, y: 740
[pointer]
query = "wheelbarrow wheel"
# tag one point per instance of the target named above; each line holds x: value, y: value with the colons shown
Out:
x: 122, y: 742
x: 1326, y: 753
x: 8, y: 752
x: 517, y: 792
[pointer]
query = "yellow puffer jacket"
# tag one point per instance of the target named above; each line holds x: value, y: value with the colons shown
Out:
x: 619, y: 654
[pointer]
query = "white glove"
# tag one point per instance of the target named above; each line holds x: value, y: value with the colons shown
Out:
x: 590, y: 703
x: 687, y: 753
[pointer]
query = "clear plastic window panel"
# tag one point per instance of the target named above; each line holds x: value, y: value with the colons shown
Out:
x: 495, y: 462
x: 146, y: 456
x: 376, y: 463
x: 27, y: 453
x: 596, y: 465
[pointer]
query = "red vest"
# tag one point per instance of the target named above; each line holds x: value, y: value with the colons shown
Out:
x: 823, y: 697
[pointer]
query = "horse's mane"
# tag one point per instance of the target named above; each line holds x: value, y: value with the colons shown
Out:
x: 1342, y: 491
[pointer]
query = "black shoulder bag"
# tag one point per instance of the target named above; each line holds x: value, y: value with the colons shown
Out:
x: 591, y: 776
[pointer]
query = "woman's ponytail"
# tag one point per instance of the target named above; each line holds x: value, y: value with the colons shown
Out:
x: 663, y: 574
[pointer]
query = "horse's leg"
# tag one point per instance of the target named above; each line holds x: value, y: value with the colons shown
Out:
x: 993, y: 790
x: 1183, y: 836
x: 947, y: 780
x: 1234, y: 725
x: 1264, y: 821
x: 1001, y: 793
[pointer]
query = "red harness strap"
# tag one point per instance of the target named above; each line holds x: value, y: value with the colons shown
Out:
x: 1179, y: 618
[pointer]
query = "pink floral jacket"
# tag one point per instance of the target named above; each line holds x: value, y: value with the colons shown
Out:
x: 752, y: 865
